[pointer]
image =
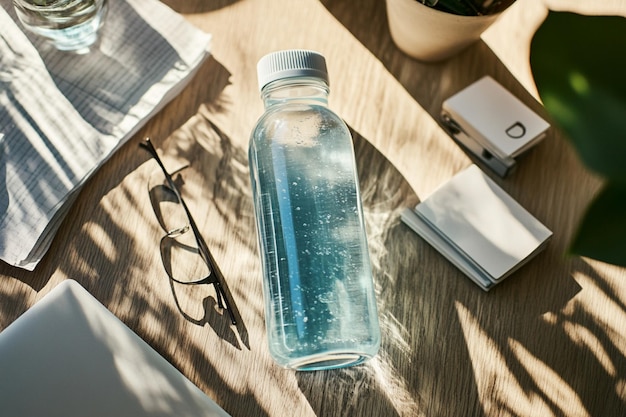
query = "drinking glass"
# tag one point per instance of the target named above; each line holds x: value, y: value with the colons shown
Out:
x: 71, y: 25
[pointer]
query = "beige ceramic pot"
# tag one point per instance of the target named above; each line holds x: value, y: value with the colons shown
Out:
x: 432, y: 35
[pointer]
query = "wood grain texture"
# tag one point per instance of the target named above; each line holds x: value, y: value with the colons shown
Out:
x: 548, y: 341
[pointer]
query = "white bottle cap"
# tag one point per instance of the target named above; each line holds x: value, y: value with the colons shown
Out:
x: 289, y: 64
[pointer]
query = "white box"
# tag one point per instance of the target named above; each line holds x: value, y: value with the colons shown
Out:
x: 492, y: 123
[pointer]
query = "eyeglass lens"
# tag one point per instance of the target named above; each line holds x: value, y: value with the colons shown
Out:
x: 179, y: 246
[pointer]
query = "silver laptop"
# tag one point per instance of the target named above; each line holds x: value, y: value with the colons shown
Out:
x: 68, y: 356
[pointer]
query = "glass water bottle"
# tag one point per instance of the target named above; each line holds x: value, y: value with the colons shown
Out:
x: 320, y: 306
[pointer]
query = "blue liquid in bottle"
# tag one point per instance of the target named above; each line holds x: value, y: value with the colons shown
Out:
x: 320, y: 303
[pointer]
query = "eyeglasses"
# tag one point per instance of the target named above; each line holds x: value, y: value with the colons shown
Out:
x: 186, y: 256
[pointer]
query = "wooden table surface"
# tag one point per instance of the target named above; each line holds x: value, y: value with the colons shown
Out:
x: 549, y: 341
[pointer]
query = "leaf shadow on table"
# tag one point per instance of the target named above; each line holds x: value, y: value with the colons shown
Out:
x: 532, y: 345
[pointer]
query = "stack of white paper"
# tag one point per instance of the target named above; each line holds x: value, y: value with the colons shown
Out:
x: 62, y: 115
x: 478, y: 227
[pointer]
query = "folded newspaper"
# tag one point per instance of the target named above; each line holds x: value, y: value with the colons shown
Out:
x: 62, y: 115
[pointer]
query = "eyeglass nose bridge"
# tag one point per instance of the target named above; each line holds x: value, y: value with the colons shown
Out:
x: 174, y: 233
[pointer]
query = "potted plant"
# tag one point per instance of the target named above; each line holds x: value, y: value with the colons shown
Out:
x: 433, y: 30
x: 578, y: 64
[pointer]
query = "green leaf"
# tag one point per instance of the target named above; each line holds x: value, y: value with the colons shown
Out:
x: 469, y: 7
x: 463, y: 8
x: 602, y: 233
x: 579, y: 66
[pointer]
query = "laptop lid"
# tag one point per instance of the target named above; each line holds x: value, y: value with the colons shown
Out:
x: 69, y: 356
